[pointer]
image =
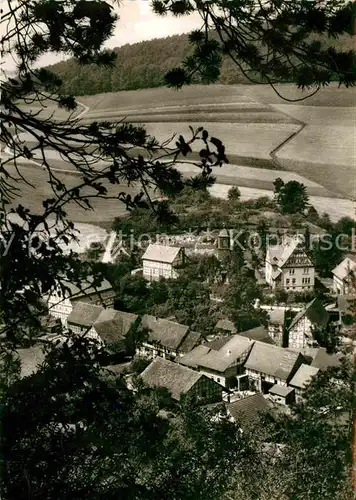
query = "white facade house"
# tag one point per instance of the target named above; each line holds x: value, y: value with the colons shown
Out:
x: 300, y: 331
x: 342, y: 277
x: 289, y: 268
x: 60, y: 306
x: 159, y: 261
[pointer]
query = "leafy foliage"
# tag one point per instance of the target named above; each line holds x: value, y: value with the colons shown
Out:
x: 291, y: 196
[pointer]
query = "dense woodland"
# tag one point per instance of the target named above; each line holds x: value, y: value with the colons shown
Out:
x: 143, y: 65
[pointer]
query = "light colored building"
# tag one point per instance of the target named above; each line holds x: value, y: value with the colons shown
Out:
x: 268, y: 365
x: 289, y: 268
x: 60, y: 306
x: 302, y: 379
x: 166, y: 338
x: 159, y: 261
x: 342, y: 276
x: 180, y: 380
x: 300, y: 331
x: 221, y: 360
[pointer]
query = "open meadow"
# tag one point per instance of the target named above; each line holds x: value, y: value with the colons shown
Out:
x: 310, y: 141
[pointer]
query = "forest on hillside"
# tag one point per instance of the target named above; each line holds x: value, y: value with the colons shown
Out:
x: 143, y: 65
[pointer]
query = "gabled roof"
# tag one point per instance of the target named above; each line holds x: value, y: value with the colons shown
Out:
x: 344, y: 269
x: 168, y: 333
x: 279, y: 255
x: 323, y: 360
x: 115, y: 328
x: 227, y: 325
x: 190, y: 341
x: 259, y: 333
x: 248, y: 411
x: 272, y: 360
x: 88, y: 288
x: 176, y: 378
x: 220, y: 360
x: 84, y: 314
x: 161, y: 253
x: 303, y: 376
x: 281, y: 390
x: 315, y: 312
x: 192, y: 358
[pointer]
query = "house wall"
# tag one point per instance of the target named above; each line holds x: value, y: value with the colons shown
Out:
x: 276, y: 333
x: 154, y: 270
x: 283, y: 400
x: 300, y: 334
x: 59, y: 308
x: 294, y: 278
x: 342, y: 287
x: 206, y: 391
x: 298, y: 279
x: 258, y: 377
x: 152, y: 351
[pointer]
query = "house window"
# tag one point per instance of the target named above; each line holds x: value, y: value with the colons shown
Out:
x: 291, y: 271
x: 287, y: 281
x: 218, y: 379
x: 293, y: 280
x: 294, y: 288
x: 306, y: 270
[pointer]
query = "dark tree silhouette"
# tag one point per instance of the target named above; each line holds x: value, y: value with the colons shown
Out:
x: 270, y: 41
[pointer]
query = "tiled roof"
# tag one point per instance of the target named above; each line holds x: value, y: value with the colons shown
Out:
x: 84, y: 314
x: 247, y: 411
x: 190, y: 341
x: 168, y: 333
x: 303, y: 376
x: 176, y: 378
x: 87, y: 287
x: 221, y: 360
x: 281, y: 390
x: 280, y: 254
x: 272, y: 360
x: 260, y: 333
x: 112, y: 325
x: 161, y: 253
x: 218, y: 343
x: 344, y: 268
x: 315, y: 312
x: 226, y: 324
x: 323, y: 360
x: 192, y: 358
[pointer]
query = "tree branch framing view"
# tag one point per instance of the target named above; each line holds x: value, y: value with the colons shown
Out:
x: 129, y: 394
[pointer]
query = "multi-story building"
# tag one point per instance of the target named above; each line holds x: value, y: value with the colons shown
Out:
x: 166, y: 338
x: 342, y: 276
x: 268, y: 365
x: 289, y: 268
x: 159, y: 261
x: 60, y: 306
x: 300, y: 331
